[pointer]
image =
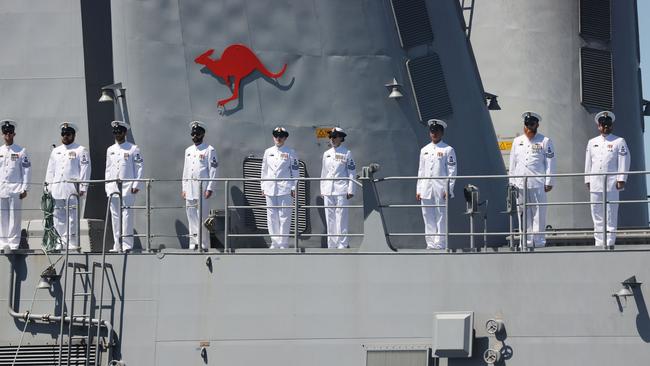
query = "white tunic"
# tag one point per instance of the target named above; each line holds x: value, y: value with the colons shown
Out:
x: 201, y: 161
x: 67, y: 162
x: 123, y: 161
x: 532, y: 157
x: 436, y: 160
x: 279, y: 162
x: 15, y: 170
x: 606, y: 154
x: 337, y: 163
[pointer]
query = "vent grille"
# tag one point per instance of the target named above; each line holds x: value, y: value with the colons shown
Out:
x: 413, y: 24
x: 429, y: 87
x: 597, y: 85
x: 45, y: 355
x: 256, y: 217
x: 595, y: 19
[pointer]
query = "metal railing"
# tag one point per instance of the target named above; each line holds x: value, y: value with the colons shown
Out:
x: 523, y: 204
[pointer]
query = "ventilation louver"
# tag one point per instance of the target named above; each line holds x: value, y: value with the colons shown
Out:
x: 46, y: 355
x: 596, y: 73
x: 429, y: 87
x: 413, y: 24
x: 256, y: 217
x: 595, y: 19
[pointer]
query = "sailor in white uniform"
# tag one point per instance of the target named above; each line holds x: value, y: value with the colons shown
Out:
x: 532, y: 154
x: 201, y: 161
x: 15, y: 174
x: 337, y: 163
x: 279, y: 161
x: 123, y: 161
x: 606, y: 153
x: 437, y: 159
x: 68, y: 161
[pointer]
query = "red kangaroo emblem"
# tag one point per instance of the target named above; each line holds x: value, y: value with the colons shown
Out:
x: 237, y: 61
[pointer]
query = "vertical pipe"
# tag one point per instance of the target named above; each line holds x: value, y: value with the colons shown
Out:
x: 148, y: 205
x: 225, y: 216
x: 200, y: 203
x: 120, y: 237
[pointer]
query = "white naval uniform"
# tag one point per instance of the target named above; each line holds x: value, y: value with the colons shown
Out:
x: 123, y: 161
x: 15, y: 174
x: 436, y: 160
x: 201, y: 161
x: 532, y: 158
x: 337, y: 163
x: 67, y: 162
x: 606, y: 154
x: 279, y: 162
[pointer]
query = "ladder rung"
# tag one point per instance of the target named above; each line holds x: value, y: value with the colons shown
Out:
x: 84, y: 272
x: 76, y: 359
x: 467, y: 8
x: 81, y: 316
x: 79, y: 337
x: 81, y: 294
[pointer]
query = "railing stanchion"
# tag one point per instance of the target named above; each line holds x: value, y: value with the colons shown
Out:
x: 200, y: 203
x: 295, y: 217
x: 605, y: 218
x: 447, y: 186
x: 148, y: 205
x: 225, y: 216
x: 524, y: 217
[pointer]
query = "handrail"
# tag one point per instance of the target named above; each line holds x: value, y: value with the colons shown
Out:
x: 524, y: 203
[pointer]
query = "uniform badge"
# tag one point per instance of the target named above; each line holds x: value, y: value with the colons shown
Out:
x: 14, y: 157
x: 450, y: 161
x: 622, y: 151
x: 339, y: 157
x: 72, y: 155
x: 351, y: 165
x: 440, y: 154
x: 126, y: 156
x: 549, y: 153
x: 26, y: 163
x: 284, y: 156
x: 84, y: 159
x: 201, y: 156
x: 214, y: 163
x: 138, y: 158
x: 294, y: 165
x: 610, y: 147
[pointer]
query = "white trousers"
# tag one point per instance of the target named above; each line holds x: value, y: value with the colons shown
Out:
x: 597, y: 216
x: 435, y: 222
x: 278, y: 220
x: 535, y: 216
x: 61, y: 223
x: 337, y: 220
x: 123, y: 226
x: 10, y: 216
x: 195, y: 222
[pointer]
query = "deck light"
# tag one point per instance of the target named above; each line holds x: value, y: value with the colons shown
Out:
x: 394, y: 86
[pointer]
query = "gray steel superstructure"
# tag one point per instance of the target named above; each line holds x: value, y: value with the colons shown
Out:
x: 377, y: 303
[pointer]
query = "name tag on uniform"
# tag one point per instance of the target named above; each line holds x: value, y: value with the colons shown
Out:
x: 440, y: 154
x: 610, y: 147
x: 201, y: 156
x: 72, y: 155
x: 537, y: 147
x: 284, y: 156
x: 339, y: 157
x: 14, y: 157
x: 126, y: 156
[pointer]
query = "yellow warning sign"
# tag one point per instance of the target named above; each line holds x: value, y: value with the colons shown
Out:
x: 505, y: 145
x: 323, y: 132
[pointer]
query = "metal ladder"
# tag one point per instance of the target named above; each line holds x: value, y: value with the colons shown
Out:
x: 87, y: 277
x: 467, y: 11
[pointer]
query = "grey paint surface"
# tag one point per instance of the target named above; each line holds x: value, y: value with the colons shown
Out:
x: 528, y: 53
x: 323, y: 308
x: 332, y: 78
x: 42, y: 79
